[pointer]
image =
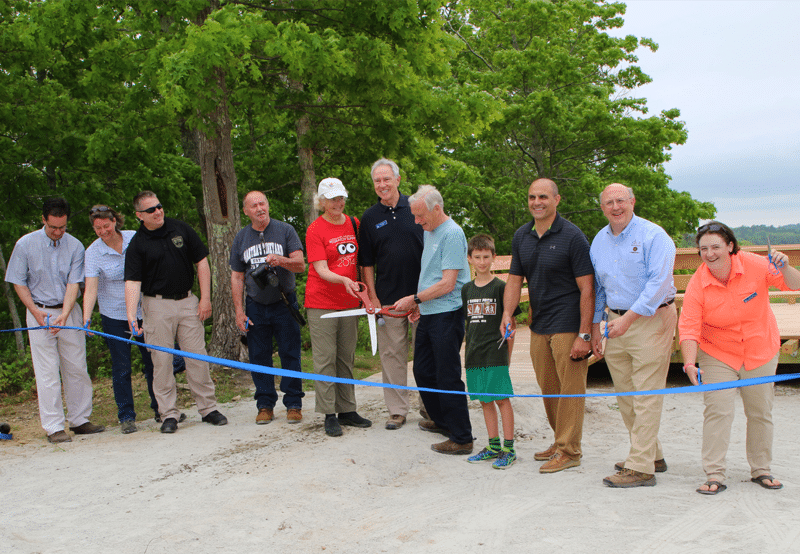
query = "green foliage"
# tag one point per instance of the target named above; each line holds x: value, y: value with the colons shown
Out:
x: 16, y: 372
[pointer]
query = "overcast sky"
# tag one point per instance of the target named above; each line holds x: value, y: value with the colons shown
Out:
x: 733, y: 70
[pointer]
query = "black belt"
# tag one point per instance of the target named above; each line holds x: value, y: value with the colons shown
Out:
x: 56, y: 307
x: 179, y: 296
x: 664, y: 305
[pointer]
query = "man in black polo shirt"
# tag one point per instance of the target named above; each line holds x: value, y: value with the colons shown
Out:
x: 159, y: 265
x: 553, y: 255
x: 389, y: 251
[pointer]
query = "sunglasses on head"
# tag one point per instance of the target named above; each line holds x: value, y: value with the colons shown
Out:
x: 152, y: 209
x: 710, y: 227
x: 99, y: 209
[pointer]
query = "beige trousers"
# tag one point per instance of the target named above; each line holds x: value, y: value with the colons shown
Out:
x: 639, y: 361
x: 164, y: 322
x: 719, y: 412
x: 557, y: 373
x: 393, y: 349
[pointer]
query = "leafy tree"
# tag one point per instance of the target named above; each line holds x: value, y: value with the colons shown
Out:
x: 563, y: 86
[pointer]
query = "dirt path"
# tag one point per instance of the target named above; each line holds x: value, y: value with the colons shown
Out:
x: 283, y: 487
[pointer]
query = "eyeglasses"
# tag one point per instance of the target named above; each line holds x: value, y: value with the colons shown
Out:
x: 152, y: 209
x: 99, y: 209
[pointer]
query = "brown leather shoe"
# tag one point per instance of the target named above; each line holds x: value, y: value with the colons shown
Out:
x: 450, y: 447
x: 87, y: 428
x: 59, y: 436
x: 395, y: 422
x: 545, y: 455
x: 429, y: 426
x: 293, y: 415
x: 559, y: 462
x: 264, y: 416
x: 629, y: 478
x: 661, y: 466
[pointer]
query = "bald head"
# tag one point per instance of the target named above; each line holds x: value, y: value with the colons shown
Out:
x: 548, y: 183
x: 617, y: 202
x: 256, y: 207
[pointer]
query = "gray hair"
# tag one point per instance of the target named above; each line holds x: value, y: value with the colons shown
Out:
x: 385, y: 161
x: 430, y: 195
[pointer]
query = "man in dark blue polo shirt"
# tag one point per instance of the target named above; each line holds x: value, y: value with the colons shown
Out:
x: 389, y: 251
x: 553, y: 255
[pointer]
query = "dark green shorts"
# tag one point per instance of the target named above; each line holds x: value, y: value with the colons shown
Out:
x: 493, y: 380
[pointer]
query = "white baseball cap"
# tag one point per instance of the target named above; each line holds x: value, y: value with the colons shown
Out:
x: 331, y: 188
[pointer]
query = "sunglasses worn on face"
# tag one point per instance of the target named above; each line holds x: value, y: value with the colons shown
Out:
x: 152, y: 209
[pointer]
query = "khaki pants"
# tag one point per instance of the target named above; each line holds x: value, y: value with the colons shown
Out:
x: 164, y: 322
x: 333, y: 348
x: 393, y: 348
x: 719, y: 412
x: 57, y: 358
x: 639, y: 361
x: 557, y: 373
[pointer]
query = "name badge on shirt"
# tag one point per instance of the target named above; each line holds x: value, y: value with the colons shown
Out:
x: 381, y: 224
x: 749, y: 298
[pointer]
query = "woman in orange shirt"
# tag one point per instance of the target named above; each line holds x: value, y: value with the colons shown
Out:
x: 726, y: 325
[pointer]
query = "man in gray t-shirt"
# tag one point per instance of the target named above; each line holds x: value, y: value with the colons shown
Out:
x: 272, y: 250
x: 46, y: 269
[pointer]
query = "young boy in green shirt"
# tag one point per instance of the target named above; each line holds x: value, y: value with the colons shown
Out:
x: 486, y: 364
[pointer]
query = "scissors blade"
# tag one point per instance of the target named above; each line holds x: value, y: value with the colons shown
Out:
x: 345, y: 313
x: 769, y: 250
x: 373, y: 332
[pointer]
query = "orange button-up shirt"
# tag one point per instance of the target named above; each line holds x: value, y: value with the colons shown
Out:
x: 733, y: 322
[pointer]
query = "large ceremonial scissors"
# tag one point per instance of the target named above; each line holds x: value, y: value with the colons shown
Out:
x: 371, y: 313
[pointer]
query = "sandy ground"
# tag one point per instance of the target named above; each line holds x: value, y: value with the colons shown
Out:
x: 280, y: 487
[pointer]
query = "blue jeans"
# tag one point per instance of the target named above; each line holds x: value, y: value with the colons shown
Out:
x: 265, y: 322
x: 121, y: 367
x: 437, y: 365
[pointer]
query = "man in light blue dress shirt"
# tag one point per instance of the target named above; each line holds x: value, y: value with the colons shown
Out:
x: 46, y: 269
x: 633, y: 260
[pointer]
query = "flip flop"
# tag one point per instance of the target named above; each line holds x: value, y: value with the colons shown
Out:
x: 720, y: 487
x: 761, y: 478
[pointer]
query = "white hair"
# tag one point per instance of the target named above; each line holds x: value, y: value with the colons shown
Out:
x: 430, y: 195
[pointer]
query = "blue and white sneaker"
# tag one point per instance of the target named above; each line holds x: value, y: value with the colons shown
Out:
x: 484, y: 455
x: 505, y: 460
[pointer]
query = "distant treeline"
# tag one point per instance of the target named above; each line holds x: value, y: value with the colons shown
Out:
x: 757, y: 234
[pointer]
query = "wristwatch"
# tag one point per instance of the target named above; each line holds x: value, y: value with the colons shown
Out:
x: 585, y: 336
x: 417, y: 300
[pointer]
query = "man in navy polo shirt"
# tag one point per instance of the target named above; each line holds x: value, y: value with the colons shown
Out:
x: 389, y: 250
x: 553, y: 255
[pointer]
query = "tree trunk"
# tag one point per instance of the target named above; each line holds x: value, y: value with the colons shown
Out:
x: 305, y: 158
x: 221, y: 208
x: 12, y: 308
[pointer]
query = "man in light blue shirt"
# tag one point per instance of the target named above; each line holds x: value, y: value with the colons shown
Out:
x: 46, y: 269
x: 633, y: 260
x: 437, y: 357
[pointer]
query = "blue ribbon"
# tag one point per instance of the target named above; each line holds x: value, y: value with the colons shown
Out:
x: 316, y: 377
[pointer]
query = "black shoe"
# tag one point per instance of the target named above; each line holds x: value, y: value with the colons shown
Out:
x: 181, y: 418
x: 332, y: 427
x: 170, y: 425
x: 354, y: 420
x: 215, y: 418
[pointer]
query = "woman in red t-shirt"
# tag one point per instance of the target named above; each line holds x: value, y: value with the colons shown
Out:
x: 332, y: 249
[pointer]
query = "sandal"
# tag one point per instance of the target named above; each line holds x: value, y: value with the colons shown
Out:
x: 761, y: 478
x: 709, y: 484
